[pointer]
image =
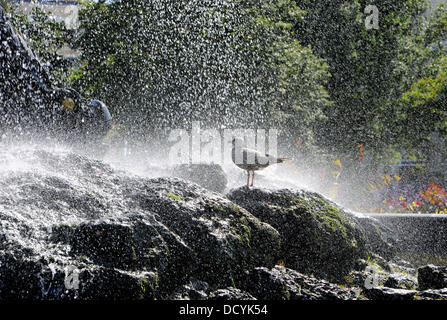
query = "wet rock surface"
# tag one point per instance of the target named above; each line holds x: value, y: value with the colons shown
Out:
x: 440, y: 294
x: 400, y: 281
x: 317, y: 236
x: 384, y: 293
x: 75, y: 228
x: 61, y: 210
x: 432, y: 277
x: 23, y: 98
x: 379, y: 238
x: 208, y: 176
x: 231, y: 294
x: 281, y: 283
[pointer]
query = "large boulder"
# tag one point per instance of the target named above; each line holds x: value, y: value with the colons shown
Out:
x: 430, y: 294
x: 399, y: 294
x: 115, y: 235
x: 401, y: 281
x: 209, y: 176
x: 318, y: 237
x: 230, y: 294
x: 432, y: 277
x: 193, y: 289
x: 389, y: 294
x: 281, y: 283
x: 133, y: 242
x: 24, y: 84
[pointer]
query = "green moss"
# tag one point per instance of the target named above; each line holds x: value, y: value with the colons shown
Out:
x: 304, y: 203
x: 147, y: 286
x: 247, y: 234
x: 332, y: 218
x: 333, y: 212
x: 400, y: 270
x: 142, y: 283
x: 327, y: 214
x: 233, y: 283
x: 348, y: 279
x: 376, y: 227
x: 373, y: 263
x: 236, y: 208
x: 175, y: 196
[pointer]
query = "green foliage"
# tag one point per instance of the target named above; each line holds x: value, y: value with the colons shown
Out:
x: 369, y: 68
x: 310, y: 68
x: 8, y: 6
x: 422, y: 108
x: 224, y: 63
x: 301, y: 76
x: 429, y: 92
x: 5, y: 5
x: 437, y: 29
x: 391, y: 157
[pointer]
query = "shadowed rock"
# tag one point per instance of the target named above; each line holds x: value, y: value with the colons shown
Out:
x: 432, y: 277
x: 208, y: 176
x: 230, y: 294
x: 430, y: 294
x: 400, y: 281
x: 317, y: 236
x: 384, y: 293
x: 379, y: 238
x: 281, y: 283
x: 75, y: 228
x: 59, y: 210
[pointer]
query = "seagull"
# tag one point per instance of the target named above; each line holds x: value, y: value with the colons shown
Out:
x: 251, y: 160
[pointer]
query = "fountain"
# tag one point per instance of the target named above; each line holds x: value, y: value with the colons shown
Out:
x: 76, y: 227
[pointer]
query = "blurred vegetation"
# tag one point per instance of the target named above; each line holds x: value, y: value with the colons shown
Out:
x: 310, y: 68
x: 164, y: 64
x: 370, y: 69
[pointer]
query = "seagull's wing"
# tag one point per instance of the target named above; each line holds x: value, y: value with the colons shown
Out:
x: 256, y: 156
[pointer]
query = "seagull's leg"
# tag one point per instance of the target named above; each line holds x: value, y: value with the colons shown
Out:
x: 253, y: 179
x: 248, y: 178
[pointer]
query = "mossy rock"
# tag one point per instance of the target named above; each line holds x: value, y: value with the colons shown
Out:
x: 133, y: 242
x: 226, y: 239
x: 317, y: 236
x: 113, y: 284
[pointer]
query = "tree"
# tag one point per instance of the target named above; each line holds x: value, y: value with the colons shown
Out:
x: 421, y: 109
x: 369, y: 68
x: 162, y: 64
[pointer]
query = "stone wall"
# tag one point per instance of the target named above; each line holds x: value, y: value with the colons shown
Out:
x: 421, y: 238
